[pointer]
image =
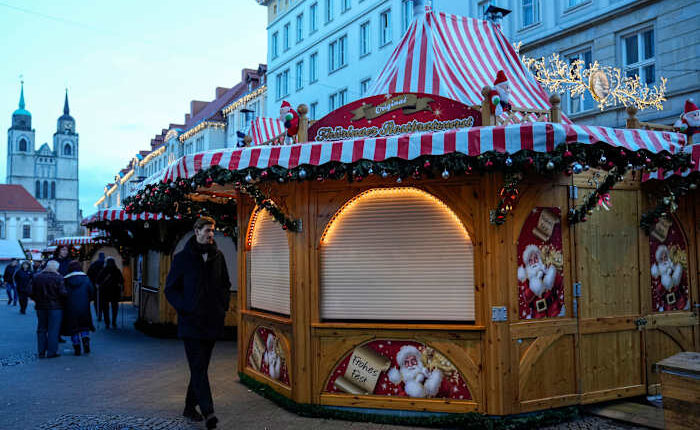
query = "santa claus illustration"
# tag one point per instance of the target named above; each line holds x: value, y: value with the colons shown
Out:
x: 418, y: 381
x: 291, y: 122
x: 271, y: 359
x: 539, y: 279
x: 689, y: 122
x: 500, y: 94
x: 668, y: 276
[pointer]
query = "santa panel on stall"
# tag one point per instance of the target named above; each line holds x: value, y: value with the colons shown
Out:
x: 267, y: 355
x: 226, y: 246
x: 669, y: 267
x: 108, y: 251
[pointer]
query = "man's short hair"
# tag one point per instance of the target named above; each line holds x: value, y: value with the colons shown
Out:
x: 52, y: 266
x: 202, y: 221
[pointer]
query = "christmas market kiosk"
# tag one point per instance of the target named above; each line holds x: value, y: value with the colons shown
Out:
x: 148, y: 242
x: 452, y: 243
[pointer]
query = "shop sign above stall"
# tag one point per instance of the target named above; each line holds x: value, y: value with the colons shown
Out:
x: 393, y: 114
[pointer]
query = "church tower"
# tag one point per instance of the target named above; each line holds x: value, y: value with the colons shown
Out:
x: 20, y: 147
x: 65, y: 147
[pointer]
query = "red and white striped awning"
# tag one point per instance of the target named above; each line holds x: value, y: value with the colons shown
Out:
x: 263, y: 130
x: 455, y: 57
x: 693, y: 150
x: 119, y: 214
x: 537, y: 136
x: 73, y: 240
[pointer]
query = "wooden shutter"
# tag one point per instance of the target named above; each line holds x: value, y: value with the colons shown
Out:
x: 397, y: 254
x: 269, y: 266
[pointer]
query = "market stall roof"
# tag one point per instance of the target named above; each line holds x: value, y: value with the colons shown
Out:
x: 10, y: 249
x: 265, y: 129
x: 74, y: 240
x: 537, y: 136
x: 455, y: 57
x: 119, y: 214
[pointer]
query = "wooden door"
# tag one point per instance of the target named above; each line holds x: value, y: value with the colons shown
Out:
x: 607, y: 262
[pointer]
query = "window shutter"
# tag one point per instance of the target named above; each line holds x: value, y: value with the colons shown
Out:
x: 397, y: 254
x: 269, y: 266
x: 153, y: 270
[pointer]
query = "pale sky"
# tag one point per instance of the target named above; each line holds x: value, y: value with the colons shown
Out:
x: 131, y: 68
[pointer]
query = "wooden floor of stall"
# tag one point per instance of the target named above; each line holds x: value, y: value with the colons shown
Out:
x: 601, y: 350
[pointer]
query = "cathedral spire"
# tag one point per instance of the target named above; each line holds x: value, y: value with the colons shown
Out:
x: 66, y: 111
x: 21, y: 96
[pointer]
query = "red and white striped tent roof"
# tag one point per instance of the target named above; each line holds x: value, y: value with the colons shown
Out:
x: 661, y: 174
x: 263, y: 130
x: 536, y: 136
x: 73, y: 240
x: 118, y: 214
x: 455, y: 57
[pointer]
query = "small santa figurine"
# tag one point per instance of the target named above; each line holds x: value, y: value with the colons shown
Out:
x: 689, y: 122
x: 271, y: 359
x: 668, y: 278
x: 540, y: 281
x: 291, y: 121
x: 418, y: 381
x: 500, y: 94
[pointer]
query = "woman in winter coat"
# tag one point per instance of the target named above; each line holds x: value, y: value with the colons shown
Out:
x: 111, y: 282
x: 23, y: 281
x: 77, y: 317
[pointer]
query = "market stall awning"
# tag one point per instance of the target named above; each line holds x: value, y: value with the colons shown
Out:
x: 539, y: 137
x: 10, y: 249
x: 73, y: 240
x: 118, y: 214
x: 693, y: 150
x: 263, y: 130
x: 455, y: 57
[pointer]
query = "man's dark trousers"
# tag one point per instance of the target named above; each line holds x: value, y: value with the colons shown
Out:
x: 198, y: 391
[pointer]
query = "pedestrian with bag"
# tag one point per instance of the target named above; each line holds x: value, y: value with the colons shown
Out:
x: 8, y: 277
x: 111, y: 283
x: 23, y: 279
x: 77, y: 318
x: 198, y: 287
x: 49, y: 294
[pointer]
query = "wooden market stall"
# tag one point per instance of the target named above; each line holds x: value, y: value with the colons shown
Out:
x: 422, y: 252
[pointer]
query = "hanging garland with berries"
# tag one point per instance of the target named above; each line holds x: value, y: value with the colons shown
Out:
x: 508, y: 195
x: 600, y: 197
x: 668, y: 203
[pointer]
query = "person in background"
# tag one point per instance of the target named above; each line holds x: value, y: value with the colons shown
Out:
x: 94, y: 273
x: 23, y: 279
x: 111, y: 283
x: 63, y: 258
x: 10, y: 287
x: 49, y: 294
x: 77, y: 318
x: 197, y: 287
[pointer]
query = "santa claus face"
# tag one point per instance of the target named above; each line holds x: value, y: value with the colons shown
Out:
x: 410, y: 361
x: 693, y: 118
x: 503, y: 91
x: 669, y: 273
x: 412, y: 369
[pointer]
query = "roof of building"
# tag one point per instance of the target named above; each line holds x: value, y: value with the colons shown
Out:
x: 17, y: 198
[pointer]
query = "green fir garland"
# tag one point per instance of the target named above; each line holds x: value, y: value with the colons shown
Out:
x: 580, y: 214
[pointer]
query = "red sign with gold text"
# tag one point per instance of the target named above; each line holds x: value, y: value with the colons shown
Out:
x: 392, y: 114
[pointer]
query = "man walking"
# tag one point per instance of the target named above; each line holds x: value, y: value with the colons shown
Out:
x: 198, y: 288
x: 49, y: 294
x: 9, y: 278
x: 93, y: 273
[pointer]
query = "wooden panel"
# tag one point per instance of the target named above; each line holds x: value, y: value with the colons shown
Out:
x: 383, y: 402
x: 611, y: 360
x: 681, y: 401
x: 552, y: 373
x: 662, y: 344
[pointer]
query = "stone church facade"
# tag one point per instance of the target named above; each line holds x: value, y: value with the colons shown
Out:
x: 50, y: 174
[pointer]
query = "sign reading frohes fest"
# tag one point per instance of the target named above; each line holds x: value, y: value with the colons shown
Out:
x: 393, y: 114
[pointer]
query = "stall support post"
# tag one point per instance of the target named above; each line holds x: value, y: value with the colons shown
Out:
x: 486, y: 118
x: 303, y: 134
x: 632, y: 121
x: 555, y: 110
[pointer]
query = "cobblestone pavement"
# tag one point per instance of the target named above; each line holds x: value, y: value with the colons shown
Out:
x: 131, y: 381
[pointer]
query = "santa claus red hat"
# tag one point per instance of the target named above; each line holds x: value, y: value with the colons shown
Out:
x: 500, y: 78
x: 529, y: 250
x: 285, y: 104
x: 690, y: 106
x: 660, y: 252
x: 405, y: 352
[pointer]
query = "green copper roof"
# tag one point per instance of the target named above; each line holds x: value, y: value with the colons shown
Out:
x: 21, y: 110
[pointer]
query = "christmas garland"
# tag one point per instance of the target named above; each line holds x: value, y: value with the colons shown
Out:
x: 598, y: 197
x: 668, y: 203
x: 508, y: 194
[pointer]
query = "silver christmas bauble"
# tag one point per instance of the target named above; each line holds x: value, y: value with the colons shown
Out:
x: 577, y: 168
x: 399, y: 180
x: 509, y: 162
x: 384, y: 174
x: 302, y: 174
x: 445, y: 174
x: 248, y: 178
x: 550, y: 165
x: 693, y: 186
x: 603, y: 159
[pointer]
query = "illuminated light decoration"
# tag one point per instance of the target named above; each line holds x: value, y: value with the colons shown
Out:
x: 151, y: 155
x: 392, y: 191
x: 99, y: 202
x: 172, y: 133
x: 244, y: 100
x: 251, y: 227
x: 199, y: 127
x: 127, y: 176
x: 112, y: 190
x: 607, y: 85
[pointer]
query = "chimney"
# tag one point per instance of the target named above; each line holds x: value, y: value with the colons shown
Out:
x: 196, y: 106
x: 187, y: 118
x: 220, y: 91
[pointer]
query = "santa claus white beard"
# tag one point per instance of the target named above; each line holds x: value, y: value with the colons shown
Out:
x: 416, y: 373
x: 537, y: 281
x: 503, y: 92
x: 669, y: 277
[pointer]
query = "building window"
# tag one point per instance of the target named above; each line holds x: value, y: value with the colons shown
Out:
x: 344, y: 5
x: 313, y: 67
x: 37, y: 190
x: 199, y: 144
x: 573, y: 3
x: 385, y: 27
x: 2, y: 230
x: 283, y: 84
x: 530, y: 12
x: 638, y: 55
x: 300, y: 27
x: 23, y: 145
x: 300, y: 75
x: 364, y: 86
x: 313, y: 16
x: 26, y: 231
x: 67, y: 149
x: 313, y: 108
x: 45, y: 190
x: 329, y: 11
x: 585, y: 101
x: 337, y: 53
x: 53, y: 190
x: 285, y: 36
x: 364, y: 38
x: 275, y: 46
x: 406, y: 14
x: 338, y: 99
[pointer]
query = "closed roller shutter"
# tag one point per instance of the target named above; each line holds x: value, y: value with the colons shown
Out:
x: 269, y: 266
x: 153, y: 270
x: 397, y: 254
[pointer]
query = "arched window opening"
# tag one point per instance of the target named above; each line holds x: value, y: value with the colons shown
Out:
x: 53, y: 190
x: 397, y: 254
x: 67, y: 150
x: 45, y: 190
x: 23, y: 145
x: 37, y: 190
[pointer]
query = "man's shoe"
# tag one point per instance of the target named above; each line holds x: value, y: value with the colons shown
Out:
x: 53, y: 355
x: 76, y: 348
x: 86, y: 345
x: 192, y: 414
x: 212, y: 421
x: 42, y: 355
